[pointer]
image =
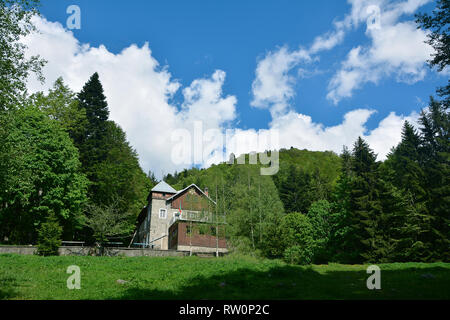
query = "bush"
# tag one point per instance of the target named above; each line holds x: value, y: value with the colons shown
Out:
x: 298, y: 255
x: 320, y: 216
x: 49, y: 237
x: 297, y: 237
x: 243, y: 246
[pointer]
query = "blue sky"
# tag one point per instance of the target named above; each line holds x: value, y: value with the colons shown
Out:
x: 193, y: 39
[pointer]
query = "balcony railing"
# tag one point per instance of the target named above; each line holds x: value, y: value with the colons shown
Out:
x: 197, y: 216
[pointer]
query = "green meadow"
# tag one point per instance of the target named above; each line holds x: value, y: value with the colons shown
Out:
x: 232, y: 277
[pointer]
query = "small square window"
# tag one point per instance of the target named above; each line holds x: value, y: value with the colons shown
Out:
x: 162, y: 213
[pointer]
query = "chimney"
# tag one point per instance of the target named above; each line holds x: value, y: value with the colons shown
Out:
x: 206, y: 191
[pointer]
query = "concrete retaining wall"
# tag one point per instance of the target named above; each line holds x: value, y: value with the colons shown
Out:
x: 93, y: 251
x: 201, y: 250
x: 18, y: 249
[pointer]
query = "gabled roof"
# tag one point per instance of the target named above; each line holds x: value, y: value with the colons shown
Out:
x: 188, y: 187
x: 164, y: 187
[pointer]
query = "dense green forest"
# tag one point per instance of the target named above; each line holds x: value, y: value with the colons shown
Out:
x: 68, y: 171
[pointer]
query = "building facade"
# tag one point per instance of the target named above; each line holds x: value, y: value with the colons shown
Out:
x: 180, y: 220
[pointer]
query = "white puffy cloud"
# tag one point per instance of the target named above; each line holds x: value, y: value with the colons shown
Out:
x: 329, y: 40
x: 396, y: 49
x: 272, y: 87
x: 388, y: 133
x: 203, y: 101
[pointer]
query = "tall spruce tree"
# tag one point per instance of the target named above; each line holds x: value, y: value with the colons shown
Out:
x: 90, y: 142
x: 340, y: 244
x: 363, y: 202
x: 414, y: 224
x: 295, y: 190
x: 120, y: 178
x: 109, y: 161
x: 435, y: 158
x: 435, y: 128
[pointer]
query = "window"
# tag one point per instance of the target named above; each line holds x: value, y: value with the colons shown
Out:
x: 188, y: 230
x: 162, y: 213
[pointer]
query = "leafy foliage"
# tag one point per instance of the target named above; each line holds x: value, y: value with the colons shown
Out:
x: 40, y: 173
x: 49, y: 236
x: 438, y: 24
x: 297, y: 237
x: 15, y: 67
x: 108, y: 221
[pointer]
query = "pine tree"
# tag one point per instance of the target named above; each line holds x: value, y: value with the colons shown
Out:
x: 90, y: 142
x: 295, y: 190
x: 363, y: 202
x: 403, y: 170
x: 49, y: 236
x: 120, y: 178
x: 340, y: 244
x: 435, y: 161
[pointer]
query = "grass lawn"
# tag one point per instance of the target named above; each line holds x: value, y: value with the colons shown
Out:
x: 34, y: 277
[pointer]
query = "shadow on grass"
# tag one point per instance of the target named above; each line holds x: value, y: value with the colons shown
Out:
x: 295, y: 283
x: 8, y: 288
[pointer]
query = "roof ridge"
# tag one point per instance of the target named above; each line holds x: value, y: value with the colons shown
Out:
x: 163, y: 186
x: 191, y: 185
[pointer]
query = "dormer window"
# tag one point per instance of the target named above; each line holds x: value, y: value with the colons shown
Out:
x: 162, y: 213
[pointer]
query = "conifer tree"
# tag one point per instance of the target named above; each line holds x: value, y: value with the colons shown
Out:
x: 340, y: 246
x: 90, y: 143
x: 295, y: 190
x: 435, y: 161
x: 403, y: 170
x: 363, y: 202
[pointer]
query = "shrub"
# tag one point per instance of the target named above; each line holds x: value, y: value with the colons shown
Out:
x: 299, y: 255
x: 49, y: 237
x: 320, y: 216
x: 297, y: 236
x: 243, y: 246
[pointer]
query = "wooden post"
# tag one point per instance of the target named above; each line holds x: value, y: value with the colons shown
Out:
x: 131, y: 242
x: 217, y: 226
